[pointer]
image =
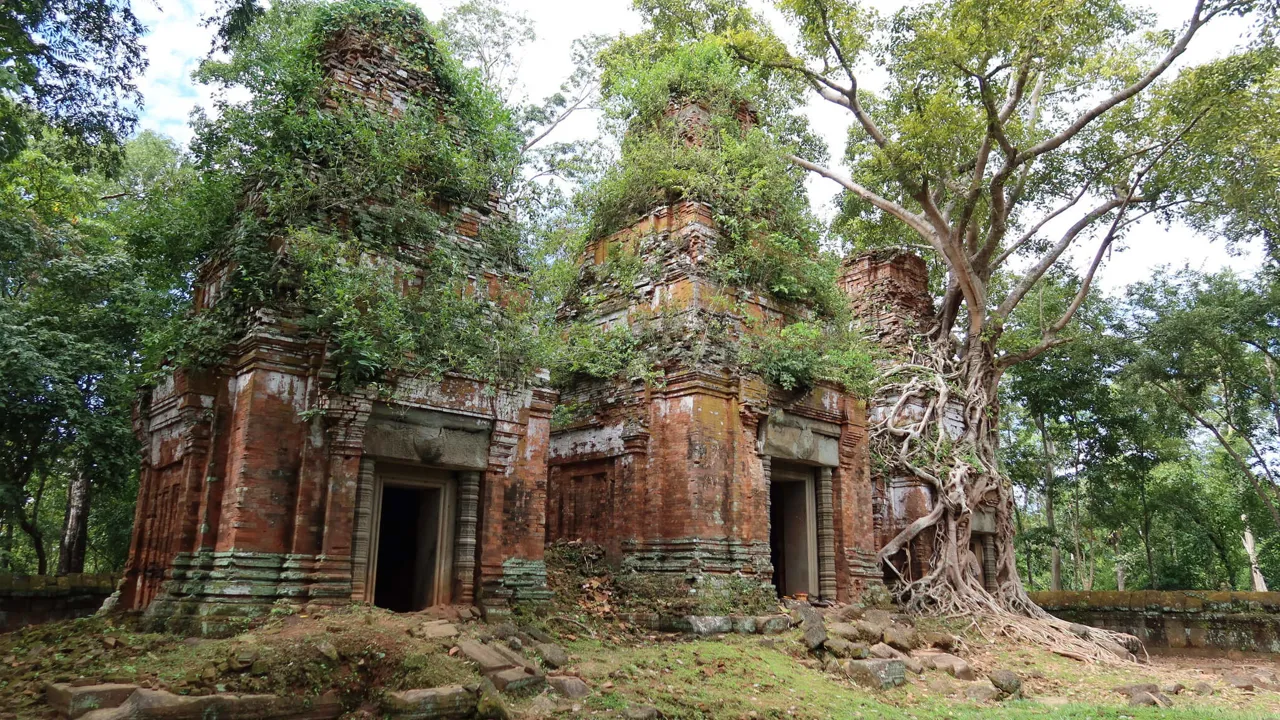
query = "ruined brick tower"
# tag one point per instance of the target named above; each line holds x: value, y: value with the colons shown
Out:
x: 889, y: 293
x: 260, y: 482
x: 710, y: 473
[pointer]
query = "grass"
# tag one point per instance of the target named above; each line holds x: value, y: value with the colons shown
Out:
x: 742, y: 677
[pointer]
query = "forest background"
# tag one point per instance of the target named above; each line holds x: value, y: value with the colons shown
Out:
x: 1139, y: 452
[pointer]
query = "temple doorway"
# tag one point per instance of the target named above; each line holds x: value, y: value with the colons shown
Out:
x: 793, y: 529
x: 414, y: 537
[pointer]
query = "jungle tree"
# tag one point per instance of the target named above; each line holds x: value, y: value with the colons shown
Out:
x: 1008, y: 134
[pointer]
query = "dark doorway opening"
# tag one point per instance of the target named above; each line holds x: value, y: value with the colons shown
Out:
x: 408, y: 552
x: 793, y: 531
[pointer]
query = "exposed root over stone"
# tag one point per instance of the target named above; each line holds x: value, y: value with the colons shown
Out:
x: 936, y: 418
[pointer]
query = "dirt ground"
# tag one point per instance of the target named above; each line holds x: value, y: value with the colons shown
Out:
x: 361, y: 652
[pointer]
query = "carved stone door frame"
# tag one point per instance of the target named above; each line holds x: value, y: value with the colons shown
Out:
x: 407, y: 476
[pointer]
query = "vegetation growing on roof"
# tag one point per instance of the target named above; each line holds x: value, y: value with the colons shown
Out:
x: 338, y: 207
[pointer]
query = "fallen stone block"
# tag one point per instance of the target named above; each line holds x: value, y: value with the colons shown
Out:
x: 515, y: 680
x: 1007, y: 682
x: 569, y: 686
x: 1241, y: 681
x: 940, y: 640
x: 73, y: 701
x: 950, y: 664
x: 900, y: 637
x: 743, y: 624
x: 814, y: 635
x: 443, y: 702
x: 845, y: 649
x: 884, y: 652
x: 876, y: 673
x: 640, y: 712
x: 1136, y: 688
x: 709, y: 624
x: 146, y: 704
x: 982, y: 693
x: 435, y: 630
x: 772, y: 624
x: 486, y: 656
x: 553, y: 656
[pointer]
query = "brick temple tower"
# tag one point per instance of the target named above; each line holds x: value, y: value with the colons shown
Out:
x: 261, y: 482
x: 711, y: 472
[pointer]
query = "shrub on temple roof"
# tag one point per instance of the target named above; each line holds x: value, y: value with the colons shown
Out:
x: 343, y: 202
x: 695, y: 125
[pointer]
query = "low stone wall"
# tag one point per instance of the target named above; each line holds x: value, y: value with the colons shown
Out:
x: 1177, y: 619
x: 33, y: 599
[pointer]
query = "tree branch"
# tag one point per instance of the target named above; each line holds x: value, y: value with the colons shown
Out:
x: 1101, y: 108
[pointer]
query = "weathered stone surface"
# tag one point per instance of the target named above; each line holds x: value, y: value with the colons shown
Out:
x: 940, y: 640
x: 34, y: 599
x: 487, y: 657
x: 1193, y: 619
x: 1137, y: 688
x: 1006, y: 681
x: 660, y: 480
x: 709, y: 624
x: 641, y: 712
x: 982, y: 693
x: 437, y: 629
x: 845, y: 649
x: 876, y: 673
x: 1146, y: 699
x: 74, y: 701
x: 146, y: 704
x: 1172, y: 688
x: 553, y: 656
x: 743, y: 624
x: 884, y: 652
x: 1203, y: 688
x: 814, y: 635
x: 569, y: 686
x: 1241, y: 680
x: 772, y: 624
x: 915, y: 665
x: 443, y: 702
x: 950, y: 664
x: 515, y: 679
x: 900, y: 637
x: 281, y: 509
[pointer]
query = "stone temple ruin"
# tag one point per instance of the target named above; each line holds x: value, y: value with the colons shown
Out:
x: 261, y: 482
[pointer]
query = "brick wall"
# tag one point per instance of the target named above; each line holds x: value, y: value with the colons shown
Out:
x: 34, y: 599
x: 674, y: 478
x: 1178, y: 620
x: 253, y: 476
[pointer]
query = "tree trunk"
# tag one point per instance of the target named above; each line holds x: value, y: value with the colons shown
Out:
x: 1055, y: 570
x: 1146, y: 536
x: 32, y: 528
x: 1017, y: 516
x: 37, y: 543
x: 75, y: 526
x: 960, y: 464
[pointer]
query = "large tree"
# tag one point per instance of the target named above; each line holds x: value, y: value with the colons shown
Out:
x: 1006, y: 135
x: 73, y: 62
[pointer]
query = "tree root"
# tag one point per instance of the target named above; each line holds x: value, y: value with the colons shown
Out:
x: 924, y: 426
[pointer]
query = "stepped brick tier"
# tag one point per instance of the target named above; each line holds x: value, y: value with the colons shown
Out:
x: 1185, y: 621
x: 710, y: 472
x: 262, y: 482
x: 33, y: 599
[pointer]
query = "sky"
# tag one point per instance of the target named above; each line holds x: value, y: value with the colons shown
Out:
x: 176, y: 43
